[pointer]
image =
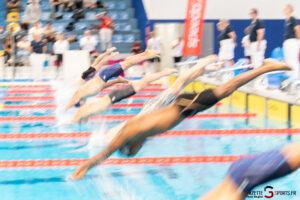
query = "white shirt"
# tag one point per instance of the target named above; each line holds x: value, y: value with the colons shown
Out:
x: 88, y: 44
x: 177, y: 51
x: 246, y: 44
x: 155, y: 44
x: 60, y: 47
x: 33, y: 12
x: 34, y: 30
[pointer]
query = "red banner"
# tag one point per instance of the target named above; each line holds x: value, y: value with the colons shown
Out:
x: 194, y: 28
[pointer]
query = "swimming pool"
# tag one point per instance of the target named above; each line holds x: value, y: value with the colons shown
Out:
x: 24, y: 176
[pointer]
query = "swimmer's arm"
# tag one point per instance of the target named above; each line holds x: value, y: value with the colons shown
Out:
x: 297, y: 31
x: 232, y: 35
x: 116, y: 143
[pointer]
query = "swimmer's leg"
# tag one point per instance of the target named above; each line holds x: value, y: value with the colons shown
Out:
x: 238, y: 81
x: 103, y: 55
x: 192, y: 73
x: 142, y: 83
x: 133, y: 60
x: 103, y: 61
x: 115, y: 81
x: 95, y: 107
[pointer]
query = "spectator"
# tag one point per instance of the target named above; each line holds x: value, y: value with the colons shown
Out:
x: 226, y: 39
x: 88, y: 42
x: 257, y: 43
x: 8, y: 49
x: 90, y: 4
x: 155, y: 43
x: 23, y: 50
x: 177, y: 47
x: 13, y: 4
x: 291, y: 43
x: 49, y: 33
x: 246, y: 43
x: 32, y: 13
x: 60, y: 47
x: 36, y: 29
x: 38, y: 49
x: 106, y: 30
x: 56, y: 7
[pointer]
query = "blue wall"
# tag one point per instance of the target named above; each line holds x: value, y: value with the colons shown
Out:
x: 274, y: 33
x: 141, y: 15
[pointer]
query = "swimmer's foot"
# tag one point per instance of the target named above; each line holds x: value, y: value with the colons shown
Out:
x: 113, y: 54
x: 151, y: 53
x: 122, y: 80
x: 110, y: 50
x: 274, y: 65
x: 203, y: 62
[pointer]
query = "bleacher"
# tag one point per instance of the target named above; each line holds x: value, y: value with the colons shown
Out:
x: 121, y: 11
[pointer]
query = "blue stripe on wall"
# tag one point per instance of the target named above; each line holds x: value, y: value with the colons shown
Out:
x: 141, y: 15
x: 274, y: 33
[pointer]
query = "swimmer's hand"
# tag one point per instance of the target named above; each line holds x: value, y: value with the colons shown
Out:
x: 110, y: 50
x: 79, y: 173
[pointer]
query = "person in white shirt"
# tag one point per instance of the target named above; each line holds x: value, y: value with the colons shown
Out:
x: 246, y: 44
x: 88, y: 42
x: 23, y: 50
x: 60, y: 47
x: 35, y: 30
x: 155, y: 43
x: 291, y: 45
x: 32, y: 12
x: 177, y: 47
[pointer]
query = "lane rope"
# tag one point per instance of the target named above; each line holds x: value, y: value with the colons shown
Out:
x: 205, y: 132
x: 120, y: 161
x: 123, y: 117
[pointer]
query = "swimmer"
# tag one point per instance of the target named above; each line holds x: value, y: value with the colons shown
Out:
x: 100, y: 62
x: 131, y: 137
x: 247, y: 173
x: 102, y: 104
x: 97, y: 83
x: 168, y: 96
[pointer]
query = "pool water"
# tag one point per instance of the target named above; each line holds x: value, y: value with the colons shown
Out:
x: 132, y: 182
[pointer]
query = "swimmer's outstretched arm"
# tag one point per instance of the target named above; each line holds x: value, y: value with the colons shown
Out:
x: 197, y: 70
x: 102, y: 104
x: 96, y: 84
x: 114, y: 145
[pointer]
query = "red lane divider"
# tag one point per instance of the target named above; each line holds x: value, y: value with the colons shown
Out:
x: 120, y: 161
x: 207, y: 132
x: 28, y: 91
x: 53, y: 106
x: 51, y: 98
x: 122, y: 117
x: 28, y: 98
x: 27, y: 86
x: 143, y: 90
x: 52, y: 91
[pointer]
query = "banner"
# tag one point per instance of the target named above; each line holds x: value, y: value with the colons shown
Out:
x: 194, y: 28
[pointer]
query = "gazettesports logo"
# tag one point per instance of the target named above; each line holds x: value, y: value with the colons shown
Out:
x: 269, y: 193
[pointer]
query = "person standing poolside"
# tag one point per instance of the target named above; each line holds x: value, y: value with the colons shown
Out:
x: 291, y: 45
x: 257, y: 43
